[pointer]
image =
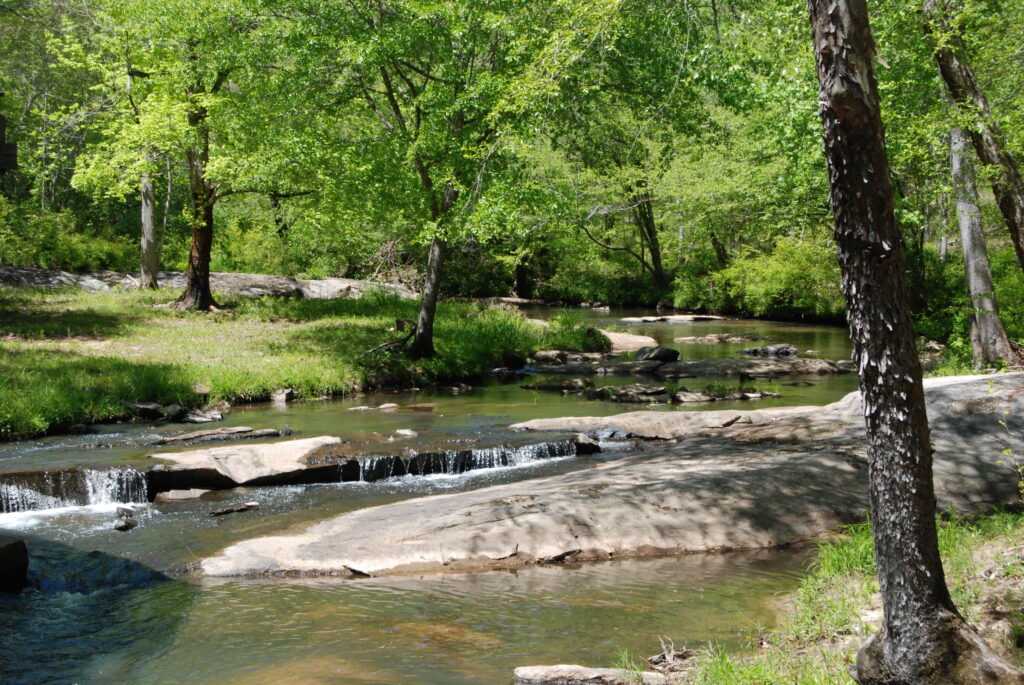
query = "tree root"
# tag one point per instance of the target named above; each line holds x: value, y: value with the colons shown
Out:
x: 951, y: 652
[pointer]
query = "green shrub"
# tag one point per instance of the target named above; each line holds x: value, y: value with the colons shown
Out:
x: 796, y: 279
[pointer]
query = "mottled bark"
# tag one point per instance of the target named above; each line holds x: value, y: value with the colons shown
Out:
x: 423, y: 340
x: 923, y: 639
x: 149, y: 251
x: 988, y: 338
x: 986, y: 134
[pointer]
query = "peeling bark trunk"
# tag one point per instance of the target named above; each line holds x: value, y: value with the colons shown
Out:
x: 423, y: 340
x: 988, y: 338
x: 149, y: 251
x: 923, y: 639
x: 986, y: 135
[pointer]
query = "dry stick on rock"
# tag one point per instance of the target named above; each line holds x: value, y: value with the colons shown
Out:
x: 923, y: 639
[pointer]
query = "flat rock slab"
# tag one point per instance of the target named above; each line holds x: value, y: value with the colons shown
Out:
x: 565, y: 674
x: 758, y: 479
x: 250, y: 464
x: 628, y: 342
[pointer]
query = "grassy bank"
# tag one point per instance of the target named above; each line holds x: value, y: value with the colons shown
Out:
x: 74, y: 357
x: 837, y: 606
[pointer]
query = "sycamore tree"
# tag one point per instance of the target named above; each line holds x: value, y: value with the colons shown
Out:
x: 425, y: 95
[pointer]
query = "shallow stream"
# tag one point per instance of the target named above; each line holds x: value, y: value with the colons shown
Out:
x: 116, y: 607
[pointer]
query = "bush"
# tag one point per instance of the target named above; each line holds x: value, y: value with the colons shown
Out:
x: 33, y: 237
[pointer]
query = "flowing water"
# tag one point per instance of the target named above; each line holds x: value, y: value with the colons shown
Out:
x: 116, y: 607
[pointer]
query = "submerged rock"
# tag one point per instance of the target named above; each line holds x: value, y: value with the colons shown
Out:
x: 657, y: 354
x: 720, y: 338
x: 570, y: 385
x: 13, y: 566
x: 777, y: 350
x: 217, y: 435
x: 125, y: 524
x: 637, y: 393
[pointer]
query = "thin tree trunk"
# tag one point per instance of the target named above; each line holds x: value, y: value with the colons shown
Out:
x: 423, y: 340
x: 986, y: 135
x: 149, y: 252
x: 923, y: 639
x: 988, y: 338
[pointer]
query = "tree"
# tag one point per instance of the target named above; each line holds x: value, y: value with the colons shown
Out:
x: 988, y: 338
x: 986, y: 133
x: 429, y: 90
x: 923, y: 639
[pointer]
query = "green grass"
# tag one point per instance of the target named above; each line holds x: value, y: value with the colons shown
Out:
x: 820, y: 635
x: 73, y: 357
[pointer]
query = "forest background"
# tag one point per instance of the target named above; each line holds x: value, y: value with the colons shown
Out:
x: 621, y: 152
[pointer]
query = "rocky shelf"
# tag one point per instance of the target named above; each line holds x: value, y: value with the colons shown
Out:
x: 721, y: 480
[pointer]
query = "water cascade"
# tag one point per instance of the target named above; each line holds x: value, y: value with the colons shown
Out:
x: 453, y: 462
x: 33, y: 490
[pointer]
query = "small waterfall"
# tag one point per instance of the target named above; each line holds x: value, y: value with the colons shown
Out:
x: 454, y: 462
x: 115, y: 486
x: 20, y: 498
x: 33, y: 490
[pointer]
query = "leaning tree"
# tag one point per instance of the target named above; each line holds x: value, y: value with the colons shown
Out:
x: 923, y: 638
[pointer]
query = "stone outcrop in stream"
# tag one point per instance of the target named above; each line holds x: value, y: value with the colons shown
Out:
x: 730, y: 480
x: 321, y: 460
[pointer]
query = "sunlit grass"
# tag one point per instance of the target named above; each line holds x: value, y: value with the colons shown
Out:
x: 74, y: 357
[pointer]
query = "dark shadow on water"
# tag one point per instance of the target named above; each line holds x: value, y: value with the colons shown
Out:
x: 86, y: 617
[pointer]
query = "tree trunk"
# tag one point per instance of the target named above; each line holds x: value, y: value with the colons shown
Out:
x: 988, y: 338
x: 986, y: 135
x: 149, y: 253
x: 423, y: 340
x: 643, y: 215
x: 197, y: 293
x: 923, y: 639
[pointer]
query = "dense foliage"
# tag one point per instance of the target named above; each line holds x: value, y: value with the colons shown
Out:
x: 592, y: 151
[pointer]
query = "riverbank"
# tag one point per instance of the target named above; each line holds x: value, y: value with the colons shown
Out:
x: 838, y: 605
x: 73, y: 357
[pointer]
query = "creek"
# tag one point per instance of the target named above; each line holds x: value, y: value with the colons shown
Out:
x: 109, y: 606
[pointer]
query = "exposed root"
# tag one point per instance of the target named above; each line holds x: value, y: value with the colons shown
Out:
x: 952, y: 653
